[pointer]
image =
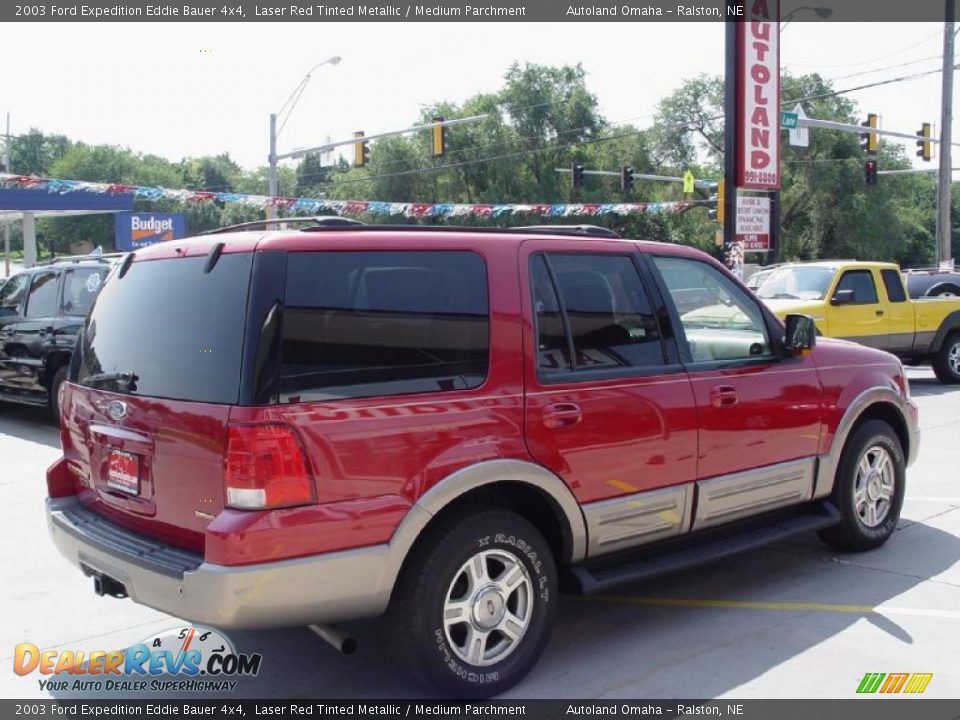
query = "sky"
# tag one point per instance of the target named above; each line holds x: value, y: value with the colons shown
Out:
x: 188, y: 89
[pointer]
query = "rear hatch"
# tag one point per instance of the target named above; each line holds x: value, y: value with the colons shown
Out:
x: 157, y: 370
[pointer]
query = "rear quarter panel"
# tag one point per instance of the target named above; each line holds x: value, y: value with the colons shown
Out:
x: 373, y: 458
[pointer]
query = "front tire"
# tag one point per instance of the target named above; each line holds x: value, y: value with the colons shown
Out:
x: 59, y: 377
x: 474, y: 606
x: 946, y: 362
x: 869, y: 489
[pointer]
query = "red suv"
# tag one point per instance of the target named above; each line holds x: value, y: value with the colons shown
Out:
x: 446, y: 426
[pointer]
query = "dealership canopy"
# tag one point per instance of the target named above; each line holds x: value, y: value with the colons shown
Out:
x: 26, y: 203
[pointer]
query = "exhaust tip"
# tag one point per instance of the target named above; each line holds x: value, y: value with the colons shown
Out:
x: 336, y: 638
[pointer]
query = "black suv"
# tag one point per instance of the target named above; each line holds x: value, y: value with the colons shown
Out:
x: 41, y: 311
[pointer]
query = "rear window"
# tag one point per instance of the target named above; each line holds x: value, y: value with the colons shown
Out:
x: 166, y: 329
x: 359, y: 324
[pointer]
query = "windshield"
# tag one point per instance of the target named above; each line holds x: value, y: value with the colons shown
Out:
x: 796, y: 283
x: 167, y: 329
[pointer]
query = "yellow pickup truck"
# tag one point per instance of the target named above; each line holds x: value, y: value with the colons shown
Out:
x: 866, y: 302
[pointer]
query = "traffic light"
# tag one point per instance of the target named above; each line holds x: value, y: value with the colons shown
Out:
x: 626, y: 178
x: 361, y: 150
x: 576, y: 172
x: 870, y: 172
x: 438, y: 138
x: 869, y: 140
x: 717, y: 212
x: 925, y: 147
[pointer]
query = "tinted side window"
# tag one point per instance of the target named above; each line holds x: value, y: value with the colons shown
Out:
x: 359, y: 324
x: 11, y: 294
x: 894, y: 285
x: 43, y: 295
x: 719, y: 320
x: 553, y: 350
x: 80, y: 287
x: 607, y: 312
x: 862, y: 285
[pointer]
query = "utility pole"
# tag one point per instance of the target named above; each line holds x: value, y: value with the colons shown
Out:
x: 944, y: 225
x: 6, y: 225
x: 272, y: 173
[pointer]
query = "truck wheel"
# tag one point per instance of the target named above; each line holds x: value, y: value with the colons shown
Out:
x: 54, y: 400
x: 474, y: 605
x: 869, y: 489
x: 946, y: 362
x: 947, y: 290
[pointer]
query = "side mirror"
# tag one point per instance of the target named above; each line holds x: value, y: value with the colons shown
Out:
x: 843, y: 297
x: 801, y: 334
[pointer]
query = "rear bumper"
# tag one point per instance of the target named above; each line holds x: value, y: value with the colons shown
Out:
x: 325, y: 588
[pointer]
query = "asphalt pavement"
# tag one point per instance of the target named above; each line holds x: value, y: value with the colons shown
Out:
x: 793, y: 620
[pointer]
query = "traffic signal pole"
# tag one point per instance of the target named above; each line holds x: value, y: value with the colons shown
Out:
x: 729, y: 143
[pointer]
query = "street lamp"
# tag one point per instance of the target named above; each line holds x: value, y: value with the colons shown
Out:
x: 822, y: 12
x: 275, y: 131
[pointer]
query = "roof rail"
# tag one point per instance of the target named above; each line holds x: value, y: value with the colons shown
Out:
x: 593, y: 230
x: 317, y: 221
x: 104, y: 257
x: 577, y: 230
x: 334, y: 222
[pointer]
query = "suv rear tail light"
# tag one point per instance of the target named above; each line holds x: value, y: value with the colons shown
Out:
x: 265, y: 467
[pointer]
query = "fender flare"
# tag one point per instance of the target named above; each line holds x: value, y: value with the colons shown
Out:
x: 950, y: 323
x: 830, y: 461
x: 470, y: 478
x: 932, y: 290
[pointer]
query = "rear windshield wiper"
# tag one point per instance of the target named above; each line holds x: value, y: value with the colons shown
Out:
x: 128, y: 379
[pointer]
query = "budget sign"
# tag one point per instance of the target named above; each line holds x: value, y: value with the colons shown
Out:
x: 137, y: 230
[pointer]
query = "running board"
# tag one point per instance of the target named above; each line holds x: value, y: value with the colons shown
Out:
x: 650, y: 563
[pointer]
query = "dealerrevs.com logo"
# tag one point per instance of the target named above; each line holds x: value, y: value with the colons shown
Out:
x: 891, y: 683
x: 180, y: 659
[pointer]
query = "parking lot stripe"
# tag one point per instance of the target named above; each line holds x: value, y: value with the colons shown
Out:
x: 779, y: 606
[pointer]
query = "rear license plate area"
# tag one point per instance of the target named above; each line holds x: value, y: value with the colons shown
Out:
x: 123, y: 472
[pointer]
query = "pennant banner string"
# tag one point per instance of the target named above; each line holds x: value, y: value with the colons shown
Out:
x: 318, y: 206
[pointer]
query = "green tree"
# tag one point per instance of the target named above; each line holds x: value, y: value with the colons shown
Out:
x: 35, y: 153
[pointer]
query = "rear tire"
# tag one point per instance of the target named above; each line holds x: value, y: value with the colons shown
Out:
x: 474, y: 605
x: 946, y: 362
x: 59, y: 377
x: 869, y: 489
x: 945, y: 291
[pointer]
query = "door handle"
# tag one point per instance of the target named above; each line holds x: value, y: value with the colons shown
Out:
x: 562, y: 415
x: 723, y: 396
x: 879, y: 313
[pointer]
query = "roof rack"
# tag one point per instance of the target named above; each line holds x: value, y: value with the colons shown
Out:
x: 592, y: 230
x: 103, y: 257
x: 574, y: 230
x: 334, y: 222
x: 319, y: 221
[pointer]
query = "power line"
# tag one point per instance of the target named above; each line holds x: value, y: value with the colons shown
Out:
x: 557, y: 148
x: 887, y: 67
x: 876, y: 59
x: 864, y: 87
x: 507, y: 141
